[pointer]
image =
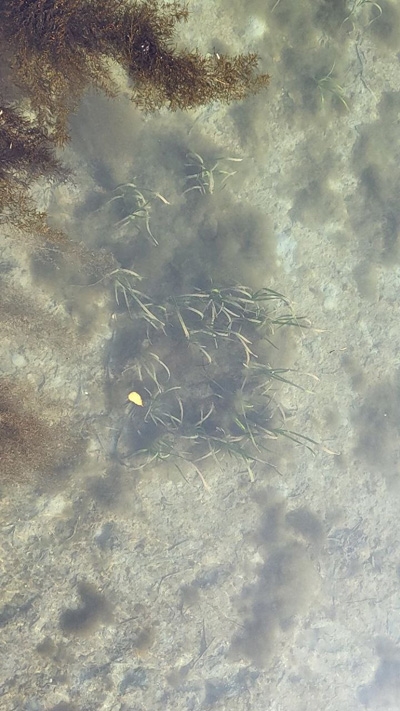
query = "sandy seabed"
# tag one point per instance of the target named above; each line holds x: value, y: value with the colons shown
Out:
x: 135, y: 589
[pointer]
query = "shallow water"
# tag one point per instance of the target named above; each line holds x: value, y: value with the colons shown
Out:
x: 184, y: 553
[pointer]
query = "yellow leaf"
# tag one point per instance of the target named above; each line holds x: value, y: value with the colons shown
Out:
x: 135, y: 398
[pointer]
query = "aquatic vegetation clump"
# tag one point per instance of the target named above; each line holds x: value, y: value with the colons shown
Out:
x: 26, y: 153
x: 58, y: 48
x: 53, y: 51
x: 36, y: 438
x: 199, y: 385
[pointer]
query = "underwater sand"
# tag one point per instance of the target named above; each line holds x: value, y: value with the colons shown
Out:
x: 127, y: 588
